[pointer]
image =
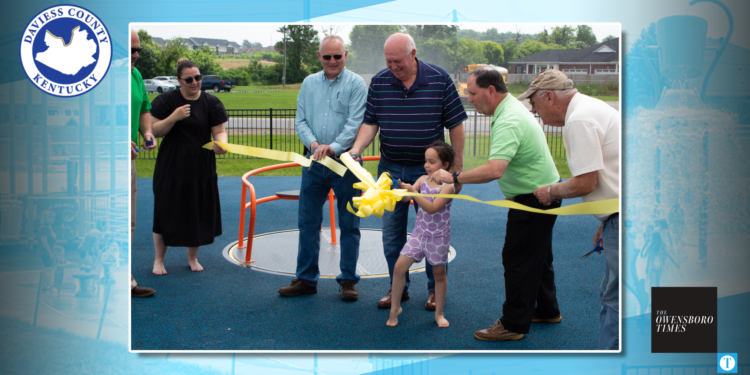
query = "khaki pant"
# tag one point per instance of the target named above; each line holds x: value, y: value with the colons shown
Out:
x: 133, y: 196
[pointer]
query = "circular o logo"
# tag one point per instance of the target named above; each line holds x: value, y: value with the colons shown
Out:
x: 66, y: 50
x: 727, y: 363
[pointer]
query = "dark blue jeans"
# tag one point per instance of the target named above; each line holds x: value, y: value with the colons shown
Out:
x: 394, y: 223
x: 609, y: 315
x: 317, y: 181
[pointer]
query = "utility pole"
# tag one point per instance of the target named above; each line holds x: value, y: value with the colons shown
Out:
x: 283, y: 74
x: 518, y: 35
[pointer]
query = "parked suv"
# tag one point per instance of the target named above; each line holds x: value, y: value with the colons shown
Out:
x: 216, y: 84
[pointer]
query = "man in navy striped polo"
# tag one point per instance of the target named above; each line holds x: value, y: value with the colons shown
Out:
x: 411, y: 103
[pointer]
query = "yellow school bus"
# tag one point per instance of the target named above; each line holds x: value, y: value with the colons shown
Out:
x: 463, y: 76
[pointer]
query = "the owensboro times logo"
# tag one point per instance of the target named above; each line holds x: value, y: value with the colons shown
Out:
x: 683, y: 320
x: 66, y: 50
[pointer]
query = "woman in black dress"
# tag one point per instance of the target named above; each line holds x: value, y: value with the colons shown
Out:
x: 187, y: 212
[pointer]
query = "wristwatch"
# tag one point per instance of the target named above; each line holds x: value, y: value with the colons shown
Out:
x: 455, y: 177
x: 549, y: 193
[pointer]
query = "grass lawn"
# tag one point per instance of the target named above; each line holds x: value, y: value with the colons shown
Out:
x: 605, y: 98
x: 286, y: 98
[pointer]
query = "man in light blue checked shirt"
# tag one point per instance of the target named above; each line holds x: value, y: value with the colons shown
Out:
x: 330, y: 109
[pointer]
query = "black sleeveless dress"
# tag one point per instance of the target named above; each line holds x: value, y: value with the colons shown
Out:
x: 187, y: 211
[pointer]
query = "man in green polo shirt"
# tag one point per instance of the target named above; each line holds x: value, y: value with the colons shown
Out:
x: 140, y: 121
x: 520, y: 161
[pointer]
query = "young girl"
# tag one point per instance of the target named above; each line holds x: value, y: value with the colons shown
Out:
x: 431, y: 235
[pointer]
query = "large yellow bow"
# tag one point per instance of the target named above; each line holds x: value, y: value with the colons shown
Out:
x: 378, y: 195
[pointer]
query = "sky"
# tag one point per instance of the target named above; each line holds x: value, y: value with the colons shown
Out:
x: 266, y: 33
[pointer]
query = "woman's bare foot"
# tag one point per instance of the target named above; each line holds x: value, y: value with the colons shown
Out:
x: 441, y: 321
x: 194, y: 265
x: 393, y: 319
x: 159, y: 268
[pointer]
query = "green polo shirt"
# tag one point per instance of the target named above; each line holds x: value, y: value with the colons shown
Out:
x: 518, y: 137
x: 138, y: 102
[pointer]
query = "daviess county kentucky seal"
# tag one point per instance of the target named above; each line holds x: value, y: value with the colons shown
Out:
x: 66, y: 50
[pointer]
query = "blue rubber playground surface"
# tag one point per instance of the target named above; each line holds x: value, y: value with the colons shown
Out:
x: 228, y: 307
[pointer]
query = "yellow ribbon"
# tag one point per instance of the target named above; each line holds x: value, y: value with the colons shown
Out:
x: 378, y: 197
x: 278, y: 155
x: 588, y: 208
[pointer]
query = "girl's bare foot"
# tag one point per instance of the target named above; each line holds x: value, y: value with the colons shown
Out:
x: 194, y: 265
x: 393, y: 319
x: 441, y: 321
x: 159, y: 268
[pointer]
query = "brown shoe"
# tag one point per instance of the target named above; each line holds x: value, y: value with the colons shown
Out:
x: 298, y: 288
x: 497, y: 333
x: 430, y: 304
x: 556, y: 319
x: 385, y: 302
x: 348, y: 291
x: 141, y: 292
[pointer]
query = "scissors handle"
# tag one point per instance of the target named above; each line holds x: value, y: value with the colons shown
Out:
x: 598, y: 248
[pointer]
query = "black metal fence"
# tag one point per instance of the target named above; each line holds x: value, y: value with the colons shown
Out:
x: 274, y: 129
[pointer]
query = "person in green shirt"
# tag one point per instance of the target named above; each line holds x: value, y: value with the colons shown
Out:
x: 140, y: 121
x: 520, y: 161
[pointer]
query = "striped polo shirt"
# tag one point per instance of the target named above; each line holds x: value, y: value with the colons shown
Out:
x: 410, y: 120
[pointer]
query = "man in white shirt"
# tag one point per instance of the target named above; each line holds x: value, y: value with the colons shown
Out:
x: 591, y: 135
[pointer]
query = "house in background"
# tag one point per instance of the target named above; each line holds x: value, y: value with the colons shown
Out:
x: 603, y: 58
x: 219, y: 46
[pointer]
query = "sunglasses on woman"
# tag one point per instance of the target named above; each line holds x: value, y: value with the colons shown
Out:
x: 335, y: 57
x: 189, y: 80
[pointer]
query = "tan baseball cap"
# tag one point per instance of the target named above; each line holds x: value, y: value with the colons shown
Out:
x: 550, y: 79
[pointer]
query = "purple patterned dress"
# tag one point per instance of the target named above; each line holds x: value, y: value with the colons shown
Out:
x: 432, y: 233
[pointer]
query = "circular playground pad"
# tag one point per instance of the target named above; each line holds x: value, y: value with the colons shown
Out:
x: 276, y: 252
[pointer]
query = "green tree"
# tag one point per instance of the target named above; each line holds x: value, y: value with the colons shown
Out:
x: 172, y: 51
x: 246, y: 43
x: 423, y: 33
x: 265, y: 56
x: 366, y: 49
x: 442, y: 53
x: 544, y: 36
x: 509, y: 52
x: 562, y: 35
x: 586, y: 35
x: 301, y: 53
x: 608, y: 38
x: 493, y: 53
x: 205, y: 59
x: 472, y: 34
x: 577, y: 45
x: 148, y: 58
x: 492, y: 35
x: 241, y: 76
x: 469, y: 51
x: 451, y: 54
x: 530, y: 47
x: 144, y: 37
